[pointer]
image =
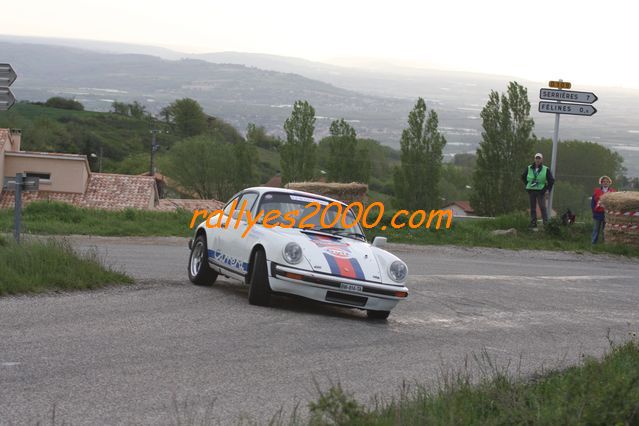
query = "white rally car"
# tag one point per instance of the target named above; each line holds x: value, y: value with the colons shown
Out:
x: 334, y: 265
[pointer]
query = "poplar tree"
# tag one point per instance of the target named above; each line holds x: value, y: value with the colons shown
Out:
x: 342, y: 165
x: 503, y: 153
x: 417, y: 179
x: 298, y: 152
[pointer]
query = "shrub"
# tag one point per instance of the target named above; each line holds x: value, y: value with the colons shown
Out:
x: 64, y: 103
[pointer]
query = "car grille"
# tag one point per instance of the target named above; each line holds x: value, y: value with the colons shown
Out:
x: 333, y: 296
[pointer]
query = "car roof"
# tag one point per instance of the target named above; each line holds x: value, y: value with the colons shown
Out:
x: 263, y: 189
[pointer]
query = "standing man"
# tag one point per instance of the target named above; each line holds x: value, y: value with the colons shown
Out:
x: 598, y: 212
x: 539, y: 181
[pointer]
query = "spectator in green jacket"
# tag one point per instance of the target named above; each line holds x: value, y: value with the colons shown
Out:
x: 539, y: 181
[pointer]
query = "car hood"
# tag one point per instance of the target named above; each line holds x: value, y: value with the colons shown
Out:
x: 340, y: 256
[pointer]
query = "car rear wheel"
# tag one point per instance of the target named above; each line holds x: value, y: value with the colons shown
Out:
x: 259, y: 289
x: 200, y: 273
x: 377, y: 314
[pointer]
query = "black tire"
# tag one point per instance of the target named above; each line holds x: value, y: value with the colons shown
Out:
x: 380, y: 315
x: 200, y: 273
x: 259, y: 287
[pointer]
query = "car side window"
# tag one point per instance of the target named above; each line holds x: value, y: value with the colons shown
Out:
x: 227, y: 209
x: 249, y: 198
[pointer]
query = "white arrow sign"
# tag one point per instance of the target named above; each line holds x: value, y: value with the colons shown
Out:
x: 563, y: 108
x: 567, y: 95
x: 7, y: 75
x: 6, y: 98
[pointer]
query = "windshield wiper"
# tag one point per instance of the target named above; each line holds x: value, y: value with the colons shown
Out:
x: 344, y: 232
x: 353, y: 234
x: 329, y: 230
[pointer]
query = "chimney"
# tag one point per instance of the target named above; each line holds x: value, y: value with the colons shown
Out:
x: 15, y: 138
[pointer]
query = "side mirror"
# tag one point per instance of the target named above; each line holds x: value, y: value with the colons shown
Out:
x: 379, y: 241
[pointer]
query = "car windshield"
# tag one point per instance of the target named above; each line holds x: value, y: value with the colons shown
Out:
x: 295, y: 211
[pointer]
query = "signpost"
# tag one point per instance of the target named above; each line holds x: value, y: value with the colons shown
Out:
x: 567, y: 95
x: 7, y: 77
x: 563, y: 108
x: 20, y: 183
x: 558, y: 108
x: 6, y: 98
x: 560, y: 84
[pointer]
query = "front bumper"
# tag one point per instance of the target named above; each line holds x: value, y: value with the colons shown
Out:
x: 328, y: 288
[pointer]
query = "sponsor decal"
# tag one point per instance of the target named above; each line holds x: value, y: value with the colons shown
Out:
x: 339, y: 257
x: 224, y: 259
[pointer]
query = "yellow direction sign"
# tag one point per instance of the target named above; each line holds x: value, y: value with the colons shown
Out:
x: 560, y: 84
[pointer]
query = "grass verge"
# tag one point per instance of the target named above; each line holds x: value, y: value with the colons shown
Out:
x: 554, y: 236
x: 42, y: 217
x: 35, y: 266
x: 602, y: 392
x: 64, y: 219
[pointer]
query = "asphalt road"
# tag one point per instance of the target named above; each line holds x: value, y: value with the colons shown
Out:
x: 163, y: 350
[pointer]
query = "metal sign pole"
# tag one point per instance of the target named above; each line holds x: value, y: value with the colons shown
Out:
x: 558, y: 108
x: 18, y: 207
x: 553, y: 158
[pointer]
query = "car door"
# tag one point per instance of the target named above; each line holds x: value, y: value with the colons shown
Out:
x: 217, y: 251
x: 235, y: 248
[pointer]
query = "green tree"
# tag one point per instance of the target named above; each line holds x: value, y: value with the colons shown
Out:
x: 258, y: 137
x: 120, y: 108
x: 417, y: 179
x: 137, y: 110
x: 455, y: 183
x: 347, y: 160
x: 297, y: 154
x: 203, y: 166
x: 246, y: 160
x: 188, y: 117
x: 465, y: 160
x: 364, y: 164
x: 210, y: 167
x: 504, y: 151
x: 223, y: 130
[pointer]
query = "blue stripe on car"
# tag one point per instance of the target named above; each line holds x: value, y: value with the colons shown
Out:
x: 333, y: 265
x: 231, y: 262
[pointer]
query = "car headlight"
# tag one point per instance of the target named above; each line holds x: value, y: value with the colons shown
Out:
x: 293, y: 253
x: 398, y: 271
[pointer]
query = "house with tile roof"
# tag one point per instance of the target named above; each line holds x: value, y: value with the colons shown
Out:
x: 68, y: 178
x: 460, y: 208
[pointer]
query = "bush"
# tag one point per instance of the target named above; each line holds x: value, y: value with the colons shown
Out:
x: 64, y: 103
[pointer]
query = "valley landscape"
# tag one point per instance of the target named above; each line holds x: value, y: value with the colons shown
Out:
x: 244, y: 88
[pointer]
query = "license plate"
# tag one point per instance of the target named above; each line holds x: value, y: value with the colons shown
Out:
x: 351, y: 287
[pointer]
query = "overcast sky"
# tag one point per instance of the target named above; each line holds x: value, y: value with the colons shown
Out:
x: 585, y: 42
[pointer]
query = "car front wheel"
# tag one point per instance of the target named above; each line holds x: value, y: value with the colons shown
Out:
x: 382, y: 315
x: 200, y: 273
x: 259, y: 290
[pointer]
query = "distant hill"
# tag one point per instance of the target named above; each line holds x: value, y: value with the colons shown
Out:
x: 236, y: 93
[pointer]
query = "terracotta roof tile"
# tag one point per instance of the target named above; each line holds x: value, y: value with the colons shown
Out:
x: 274, y: 182
x: 464, y: 205
x: 172, y: 204
x: 104, y: 191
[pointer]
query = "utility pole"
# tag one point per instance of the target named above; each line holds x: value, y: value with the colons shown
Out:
x: 154, y: 148
x: 100, y: 160
x: 18, y: 207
